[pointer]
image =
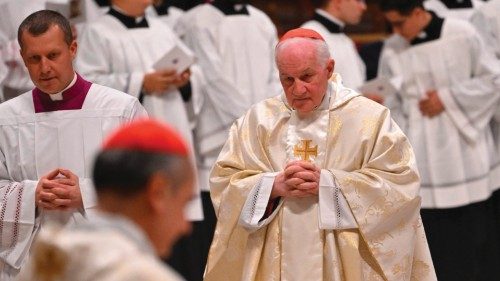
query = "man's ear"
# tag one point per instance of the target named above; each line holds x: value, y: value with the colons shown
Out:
x: 330, y: 67
x: 157, y: 189
x: 73, y: 47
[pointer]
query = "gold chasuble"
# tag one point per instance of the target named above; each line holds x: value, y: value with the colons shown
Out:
x: 373, y: 167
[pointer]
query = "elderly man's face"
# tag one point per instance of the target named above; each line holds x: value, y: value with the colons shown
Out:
x: 49, y: 59
x: 303, y: 77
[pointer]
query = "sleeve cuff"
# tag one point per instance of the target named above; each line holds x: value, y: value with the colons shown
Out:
x: 89, y: 197
x: 457, y: 116
x: 135, y: 84
x: 256, y: 204
x: 334, y: 211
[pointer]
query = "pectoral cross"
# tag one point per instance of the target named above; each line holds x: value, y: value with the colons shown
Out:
x: 305, y: 152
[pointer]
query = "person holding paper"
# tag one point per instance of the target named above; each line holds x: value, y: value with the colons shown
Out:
x: 143, y: 181
x: 120, y: 50
x: 329, y: 20
x: 48, y: 137
x: 448, y: 96
x: 133, y: 52
x: 317, y: 183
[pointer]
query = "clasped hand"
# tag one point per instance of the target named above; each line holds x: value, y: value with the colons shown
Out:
x: 432, y: 105
x: 298, y: 179
x: 59, y: 190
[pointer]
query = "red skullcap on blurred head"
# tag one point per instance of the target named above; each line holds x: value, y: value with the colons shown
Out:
x: 149, y: 136
x: 302, y: 32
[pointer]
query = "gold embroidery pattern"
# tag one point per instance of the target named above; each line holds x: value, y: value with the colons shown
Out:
x: 420, y: 270
x: 401, y: 269
x: 306, y: 151
x: 370, y: 126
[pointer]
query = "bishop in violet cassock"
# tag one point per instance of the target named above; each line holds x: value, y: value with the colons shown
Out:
x: 48, y: 137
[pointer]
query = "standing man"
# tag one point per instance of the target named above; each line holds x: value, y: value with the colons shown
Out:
x: 48, y: 137
x: 329, y: 20
x: 460, y: 9
x: 119, y: 51
x: 144, y: 180
x: 446, y: 101
x: 234, y: 44
x: 317, y: 183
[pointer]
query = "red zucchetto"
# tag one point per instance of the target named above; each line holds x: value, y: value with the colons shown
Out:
x: 301, y: 32
x: 149, y: 136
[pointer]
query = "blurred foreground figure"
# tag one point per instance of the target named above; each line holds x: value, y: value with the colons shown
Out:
x: 143, y: 180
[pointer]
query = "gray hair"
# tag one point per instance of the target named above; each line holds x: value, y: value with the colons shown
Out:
x: 322, y: 51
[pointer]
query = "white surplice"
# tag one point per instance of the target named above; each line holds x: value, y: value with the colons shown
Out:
x: 453, y: 147
x: 460, y: 13
x: 348, y: 63
x: 107, y: 248
x: 236, y: 55
x: 32, y: 144
x: 118, y: 57
x: 487, y: 22
x: 171, y: 18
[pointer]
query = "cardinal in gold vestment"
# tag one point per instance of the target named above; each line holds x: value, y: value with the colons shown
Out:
x: 318, y: 183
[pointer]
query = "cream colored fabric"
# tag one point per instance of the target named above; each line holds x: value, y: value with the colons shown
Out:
x: 104, y: 249
x: 374, y: 164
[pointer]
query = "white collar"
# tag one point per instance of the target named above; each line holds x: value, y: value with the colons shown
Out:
x: 59, y: 96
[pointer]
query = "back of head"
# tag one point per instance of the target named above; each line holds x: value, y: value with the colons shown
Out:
x: 134, y: 153
x: 39, y: 22
x: 404, y: 7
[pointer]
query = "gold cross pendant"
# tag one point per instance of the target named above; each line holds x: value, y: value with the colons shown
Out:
x: 305, y: 152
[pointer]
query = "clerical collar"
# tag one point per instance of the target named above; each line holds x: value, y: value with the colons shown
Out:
x: 431, y: 32
x: 59, y: 96
x: 230, y: 9
x: 128, y: 21
x: 331, y: 23
x: 457, y: 4
x: 72, y: 97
